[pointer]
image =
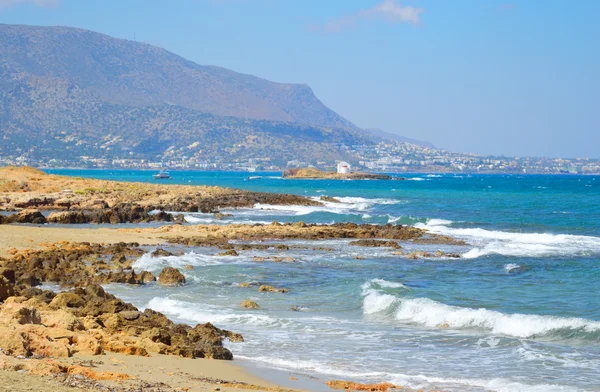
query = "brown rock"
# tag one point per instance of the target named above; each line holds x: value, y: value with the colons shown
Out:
x: 230, y: 252
x: 6, y: 289
x: 352, y: 386
x: 8, y: 274
x: 130, y: 315
x: 376, y: 243
x: 249, y: 304
x: 68, y: 217
x: 270, y: 289
x: 67, y: 300
x: 28, y: 216
x: 170, y: 276
x: 61, y: 319
x: 161, y: 253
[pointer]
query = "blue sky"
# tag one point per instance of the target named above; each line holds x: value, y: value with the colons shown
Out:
x: 495, y: 77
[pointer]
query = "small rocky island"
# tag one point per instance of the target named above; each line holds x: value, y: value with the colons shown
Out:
x: 313, y: 173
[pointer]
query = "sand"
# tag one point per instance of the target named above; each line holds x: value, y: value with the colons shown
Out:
x: 180, y: 373
x: 155, y: 373
x: 35, y: 237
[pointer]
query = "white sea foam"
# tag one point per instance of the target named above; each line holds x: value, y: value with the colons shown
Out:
x: 416, y: 179
x: 149, y: 263
x: 190, y: 312
x: 516, y: 244
x: 424, y: 311
x: 417, y: 381
x: 352, y: 200
x: 512, y: 267
x: 385, y: 283
x: 346, y: 205
x: 393, y: 219
x: 375, y: 301
x: 430, y: 313
x: 209, y: 219
x: 496, y: 384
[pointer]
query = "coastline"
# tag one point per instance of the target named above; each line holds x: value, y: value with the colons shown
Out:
x: 85, y: 338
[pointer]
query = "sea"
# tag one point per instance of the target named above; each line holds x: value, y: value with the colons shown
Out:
x: 519, y: 311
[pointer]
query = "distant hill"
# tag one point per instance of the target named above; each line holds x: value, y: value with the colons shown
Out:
x: 67, y: 92
x: 131, y: 73
x: 379, y: 134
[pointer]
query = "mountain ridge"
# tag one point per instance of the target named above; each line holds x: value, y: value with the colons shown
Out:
x: 68, y: 92
x: 138, y: 74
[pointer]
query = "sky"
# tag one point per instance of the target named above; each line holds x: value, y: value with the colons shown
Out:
x: 517, y: 78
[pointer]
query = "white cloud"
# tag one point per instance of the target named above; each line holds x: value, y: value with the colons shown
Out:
x: 38, y: 3
x: 389, y: 10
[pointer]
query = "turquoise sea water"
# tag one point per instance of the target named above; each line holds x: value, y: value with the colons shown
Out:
x: 520, y: 311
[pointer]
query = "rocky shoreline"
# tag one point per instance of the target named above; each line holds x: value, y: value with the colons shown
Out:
x: 27, y: 192
x: 42, y: 330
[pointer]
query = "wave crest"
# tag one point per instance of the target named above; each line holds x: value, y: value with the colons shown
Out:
x: 433, y: 314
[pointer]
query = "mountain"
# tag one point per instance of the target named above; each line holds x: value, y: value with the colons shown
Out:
x: 379, y: 134
x: 136, y: 74
x: 69, y: 92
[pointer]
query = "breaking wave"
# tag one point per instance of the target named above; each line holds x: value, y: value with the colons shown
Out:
x: 429, y: 313
x: 488, y: 242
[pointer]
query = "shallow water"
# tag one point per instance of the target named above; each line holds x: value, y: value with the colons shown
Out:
x: 520, y: 311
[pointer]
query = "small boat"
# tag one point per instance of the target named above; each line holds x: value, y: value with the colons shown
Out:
x: 162, y: 175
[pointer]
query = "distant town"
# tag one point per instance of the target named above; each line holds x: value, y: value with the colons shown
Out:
x: 388, y: 156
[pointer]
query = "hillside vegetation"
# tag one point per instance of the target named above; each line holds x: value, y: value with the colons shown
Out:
x: 68, y: 92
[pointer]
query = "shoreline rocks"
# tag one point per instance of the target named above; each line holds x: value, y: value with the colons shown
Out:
x: 376, y: 244
x: 87, y: 319
x: 171, y: 276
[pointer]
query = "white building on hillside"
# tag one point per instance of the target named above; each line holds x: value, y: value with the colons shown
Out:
x: 343, y: 168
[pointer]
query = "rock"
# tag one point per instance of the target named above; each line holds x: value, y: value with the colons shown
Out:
x: 6, y: 289
x: 68, y: 217
x: 412, y: 256
x: 61, y: 319
x: 230, y: 252
x: 32, y: 201
x: 170, y: 276
x: 179, y: 219
x: 28, y: 280
x: 146, y: 277
x: 376, y: 244
x: 67, y: 300
x: 249, y: 304
x: 28, y: 216
x: 270, y: 289
x: 352, y: 386
x: 8, y: 274
x: 19, y: 313
x: 329, y: 199
x: 188, y: 267
x: 207, y: 338
x: 161, y: 253
x: 130, y: 315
